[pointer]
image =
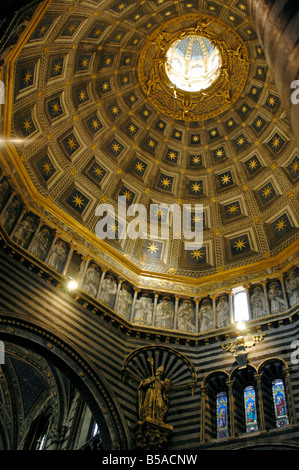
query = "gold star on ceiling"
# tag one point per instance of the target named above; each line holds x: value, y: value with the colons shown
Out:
x: 172, y: 155
x: 56, y: 107
x: 225, y: 179
x: 151, y: 143
x: 95, y: 124
x: 42, y: 30
x: 78, y: 201
x: 295, y: 166
x: 196, y: 159
x: 241, y: 141
x: 115, y: 110
x: 253, y: 164
x: 47, y: 166
x: 219, y: 153
x: 233, y: 209
x: 152, y: 248
x: 266, y: 191
x: 72, y: 144
x: 127, y: 194
x: 197, y: 254
x: 275, y: 142
x: 72, y: 28
x: 82, y: 95
x: 196, y: 219
x: 27, y: 124
x: 115, y: 147
x: 28, y: 77
x: 165, y: 182
x: 196, y: 187
x: 57, y: 67
x: 98, y: 171
x: 97, y: 32
x: 159, y: 213
x: 271, y: 101
x: 85, y: 62
x: 113, y: 227
x: 139, y: 166
x: 258, y: 123
x: 240, y: 244
x: 281, y: 224
x: 132, y: 128
x: 121, y: 6
x: 105, y: 86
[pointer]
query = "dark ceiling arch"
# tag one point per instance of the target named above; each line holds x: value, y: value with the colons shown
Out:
x: 15, y: 328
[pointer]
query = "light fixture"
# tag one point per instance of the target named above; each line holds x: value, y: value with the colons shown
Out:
x: 241, y: 326
x: 72, y: 284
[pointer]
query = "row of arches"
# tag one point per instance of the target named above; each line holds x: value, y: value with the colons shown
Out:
x: 246, y: 400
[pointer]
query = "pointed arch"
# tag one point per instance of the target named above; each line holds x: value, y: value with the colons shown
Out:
x: 16, y: 329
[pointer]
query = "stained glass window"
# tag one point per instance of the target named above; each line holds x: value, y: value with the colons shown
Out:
x: 222, y: 415
x: 279, y: 400
x: 250, y: 409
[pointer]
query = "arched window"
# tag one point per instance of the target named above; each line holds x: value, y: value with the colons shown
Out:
x: 240, y: 304
x: 222, y: 415
x: 279, y: 402
x: 95, y: 430
x: 250, y: 409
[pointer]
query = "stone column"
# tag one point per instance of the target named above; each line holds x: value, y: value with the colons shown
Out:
x: 290, y: 397
x: 231, y: 401
x: 136, y: 291
x: 203, y: 394
x: 2, y: 211
x: 68, y: 259
x: 262, y: 424
x: 277, y: 26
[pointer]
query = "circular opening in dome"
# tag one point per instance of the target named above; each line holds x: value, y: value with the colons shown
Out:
x: 193, y: 63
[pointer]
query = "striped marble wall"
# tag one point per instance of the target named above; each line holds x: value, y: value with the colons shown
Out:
x: 22, y: 291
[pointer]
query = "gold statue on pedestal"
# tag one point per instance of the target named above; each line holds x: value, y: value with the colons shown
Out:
x: 153, y: 403
x: 153, y: 396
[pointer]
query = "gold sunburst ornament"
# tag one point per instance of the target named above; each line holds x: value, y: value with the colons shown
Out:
x: 190, y: 42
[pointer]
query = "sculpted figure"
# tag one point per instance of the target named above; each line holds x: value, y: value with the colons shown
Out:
x: 223, y: 312
x: 165, y: 313
x: 186, y: 317
x: 258, y: 303
x: 124, y: 300
x: 275, y: 297
x: 144, y: 310
x: 24, y: 231
x: 41, y: 244
x: 292, y: 287
x: 91, y: 281
x: 206, y: 315
x: 153, y: 397
x: 108, y: 290
x: 58, y: 255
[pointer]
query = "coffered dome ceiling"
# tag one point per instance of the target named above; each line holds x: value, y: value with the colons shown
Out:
x: 99, y: 118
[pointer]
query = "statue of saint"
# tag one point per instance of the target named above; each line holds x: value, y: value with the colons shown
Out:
x: 165, y: 313
x: 186, y: 317
x: 153, y: 397
x: 41, y: 244
x: 292, y: 287
x: 258, y: 303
